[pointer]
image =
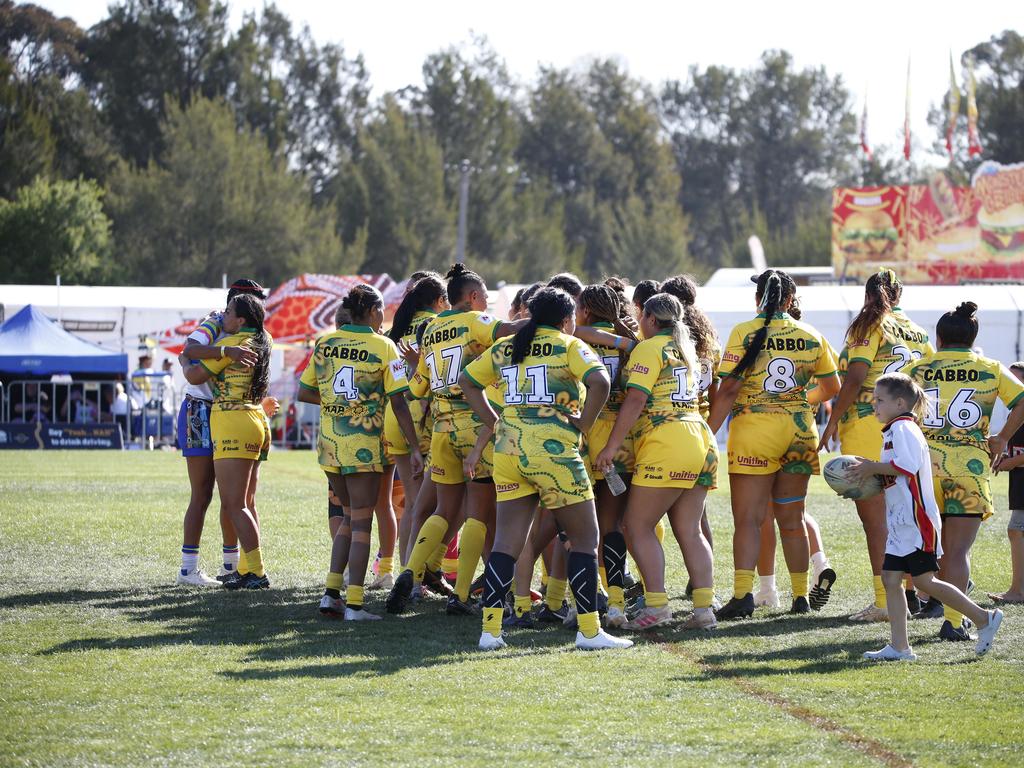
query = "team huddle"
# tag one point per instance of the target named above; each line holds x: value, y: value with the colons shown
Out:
x: 564, y: 435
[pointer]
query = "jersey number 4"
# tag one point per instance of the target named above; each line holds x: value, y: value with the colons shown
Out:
x: 345, y: 383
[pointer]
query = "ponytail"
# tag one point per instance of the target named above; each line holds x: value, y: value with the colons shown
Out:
x: 423, y: 295
x: 881, y: 294
x: 773, y: 288
x: 605, y: 303
x: 248, y: 306
x: 549, y: 306
x: 668, y: 311
x: 958, y: 328
x: 460, y: 280
x: 361, y: 301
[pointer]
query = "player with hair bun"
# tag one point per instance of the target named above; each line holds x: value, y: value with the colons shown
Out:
x: 962, y: 388
x: 351, y: 373
x: 766, y: 371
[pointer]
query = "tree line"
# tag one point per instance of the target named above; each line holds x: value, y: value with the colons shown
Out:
x: 160, y: 146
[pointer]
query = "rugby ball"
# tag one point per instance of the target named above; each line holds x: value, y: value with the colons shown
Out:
x: 837, y: 475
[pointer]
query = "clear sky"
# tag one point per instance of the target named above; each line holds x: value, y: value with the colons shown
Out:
x: 867, y: 42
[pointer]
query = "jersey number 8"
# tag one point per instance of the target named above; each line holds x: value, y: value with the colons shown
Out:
x: 780, y: 375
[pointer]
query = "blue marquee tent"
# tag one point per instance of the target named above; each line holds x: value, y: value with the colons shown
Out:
x: 33, y: 344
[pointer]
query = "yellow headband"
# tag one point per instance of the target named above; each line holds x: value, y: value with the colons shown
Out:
x: 886, y: 271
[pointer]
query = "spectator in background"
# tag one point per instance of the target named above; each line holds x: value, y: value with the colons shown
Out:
x: 79, y: 409
x: 29, y: 404
x: 169, y: 394
x: 141, y: 381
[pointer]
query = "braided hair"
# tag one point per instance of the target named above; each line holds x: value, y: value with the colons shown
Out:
x: 668, y: 311
x: 958, y: 328
x: 246, y: 285
x: 250, y: 308
x: 882, y: 292
x: 424, y: 295
x: 702, y: 332
x: 361, y: 301
x: 774, y: 287
x: 549, y: 306
x: 461, y: 280
x: 604, y: 303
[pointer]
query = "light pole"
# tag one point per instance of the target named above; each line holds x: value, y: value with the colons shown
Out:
x: 460, y: 242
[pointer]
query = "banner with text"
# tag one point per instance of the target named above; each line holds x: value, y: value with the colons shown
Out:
x: 45, y: 435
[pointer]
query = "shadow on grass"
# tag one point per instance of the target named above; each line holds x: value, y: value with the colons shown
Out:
x: 280, y: 634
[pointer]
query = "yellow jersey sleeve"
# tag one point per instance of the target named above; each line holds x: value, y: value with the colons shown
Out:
x: 582, y: 359
x: 484, y: 328
x: 482, y: 371
x: 826, y: 363
x: 395, y: 380
x: 217, y: 365
x: 864, y: 350
x: 308, y: 378
x: 734, y: 350
x: 644, y: 368
x: 1010, y: 389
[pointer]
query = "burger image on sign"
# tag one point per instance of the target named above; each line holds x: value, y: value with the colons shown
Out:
x: 869, y: 235
x: 1000, y: 188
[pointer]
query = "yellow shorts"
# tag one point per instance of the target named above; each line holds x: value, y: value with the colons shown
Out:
x: 765, y: 443
x: 559, y: 482
x: 239, y: 434
x: 265, y: 453
x: 597, y: 439
x: 861, y: 437
x: 448, y: 450
x: 344, y: 449
x: 964, y: 496
x: 394, y: 441
x: 675, y: 454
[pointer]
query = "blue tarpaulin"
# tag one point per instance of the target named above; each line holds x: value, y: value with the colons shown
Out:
x: 34, y: 345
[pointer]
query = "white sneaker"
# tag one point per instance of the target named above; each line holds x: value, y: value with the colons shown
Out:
x: 332, y: 606
x: 489, y: 642
x: 649, y: 618
x: 196, y: 578
x: 602, y: 641
x: 385, y: 581
x: 871, y: 613
x: 768, y: 598
x: 987, y: 633
x: 888, y: 653
x: 360, y: 614
x: 615, y: 617
x: 702, y: 618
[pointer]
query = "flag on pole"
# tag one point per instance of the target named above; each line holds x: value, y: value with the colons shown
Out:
x: 952, y: 107
x: 864, y: 129
x: 973, y: 143
x: 906, y: 117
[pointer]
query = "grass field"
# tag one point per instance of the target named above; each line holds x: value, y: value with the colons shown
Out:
x: 102, y: 662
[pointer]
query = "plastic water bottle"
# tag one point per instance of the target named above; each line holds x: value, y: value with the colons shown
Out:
x: 615, y: 484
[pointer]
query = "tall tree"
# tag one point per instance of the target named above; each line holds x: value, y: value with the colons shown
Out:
x: 219, y: 202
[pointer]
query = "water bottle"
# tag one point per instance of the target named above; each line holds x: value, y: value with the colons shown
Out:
x: 615, y: 484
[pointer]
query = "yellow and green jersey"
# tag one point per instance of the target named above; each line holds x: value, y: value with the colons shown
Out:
x: 410, y: 337
x: 355, y: 370
x: 452, y: 340
x: 888, y: 347
x: 540, y: 392
x: 611, y: 359
x: 230, y: 381
x: 778, y: 379
x: 708, y: 372
x: 962, y: 389
x: 657, y: 369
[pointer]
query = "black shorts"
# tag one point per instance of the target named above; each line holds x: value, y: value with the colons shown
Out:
x: 916, y: 563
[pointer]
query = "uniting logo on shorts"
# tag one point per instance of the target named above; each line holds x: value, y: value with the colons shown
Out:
x: 506, y: 487
x: 751, y: 461
x: 682, y: 476
x: 253, y: 447
x: 437, y: 471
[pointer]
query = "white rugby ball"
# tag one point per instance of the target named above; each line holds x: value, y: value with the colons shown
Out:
x: 837, y: 475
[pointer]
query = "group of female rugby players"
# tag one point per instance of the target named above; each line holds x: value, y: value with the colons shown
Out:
x: 569, y: 431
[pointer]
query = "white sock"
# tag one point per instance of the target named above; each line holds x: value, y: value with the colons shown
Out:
x: 230, y: 558
x: 189, y: 559
x: 767, y: 583
x: 819, y: 562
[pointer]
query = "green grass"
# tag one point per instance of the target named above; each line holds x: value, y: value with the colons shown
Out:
x: 103, y: 663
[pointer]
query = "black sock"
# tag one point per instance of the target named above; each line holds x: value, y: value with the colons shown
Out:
x: 498, y: 574
x: 335, y: 593
x: 614, y: 551
x: 583, y: 581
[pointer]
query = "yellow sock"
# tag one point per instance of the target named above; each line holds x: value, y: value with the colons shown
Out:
x: 556, y: 593
x: 523, y: 604
x: 589, y: 623
x: 429, y: 537
x: 703, y: 597
x: 616, y: 598
x: 492, y: 621
x: 543, y: 573
x: 385, y: 566
x: 471, y: 545
x: 799, y: 584
x: 354, y: 597
x: 603, y: 575
x: 953, y: 617
x: 243, y: 561
x: 879, y: 592
x: 254, y: 559
x: 437, y: 556
x: 656, y: 599
x: 335, y: 581
x: 659, y: 531
x: 742, y: 583
x: 448, y: 565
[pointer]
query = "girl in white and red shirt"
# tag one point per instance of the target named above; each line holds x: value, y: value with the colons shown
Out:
x: 912, y: 517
